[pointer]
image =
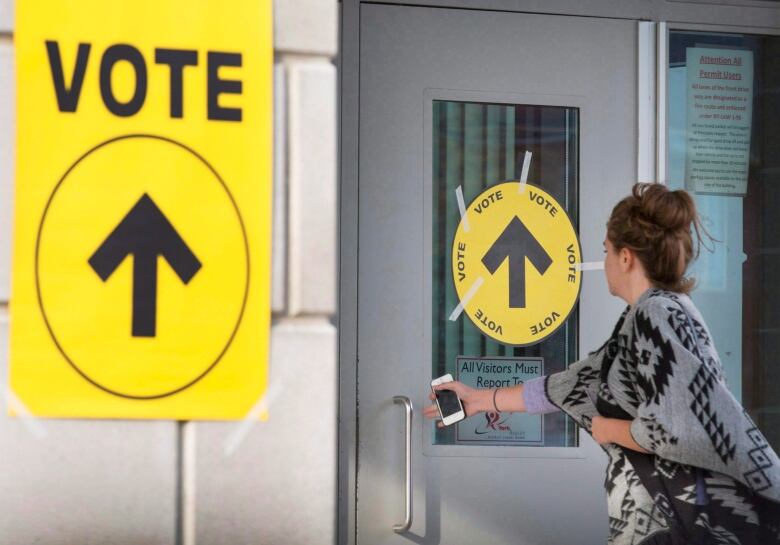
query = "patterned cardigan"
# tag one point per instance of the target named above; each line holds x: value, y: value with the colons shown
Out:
x: 711, y: 478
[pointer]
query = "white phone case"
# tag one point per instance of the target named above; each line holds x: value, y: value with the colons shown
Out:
x: 454, y: 417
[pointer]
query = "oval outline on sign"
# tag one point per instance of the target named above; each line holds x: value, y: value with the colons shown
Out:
x: 41, y: 305
x: 515, y: 188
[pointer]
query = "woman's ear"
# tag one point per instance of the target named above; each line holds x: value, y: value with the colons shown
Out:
x: 626, y: 259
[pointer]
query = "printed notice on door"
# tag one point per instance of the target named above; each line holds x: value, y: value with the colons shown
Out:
x: 720, y: 106
x: 500, y: 427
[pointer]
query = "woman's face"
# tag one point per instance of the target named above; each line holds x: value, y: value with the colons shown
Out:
x: 612, y: 268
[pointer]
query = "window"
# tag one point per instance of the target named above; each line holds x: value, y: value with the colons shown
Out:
x: 724, y: 147
x: 476, y: 146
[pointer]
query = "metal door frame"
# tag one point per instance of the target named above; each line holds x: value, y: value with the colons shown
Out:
x: 654, y: 17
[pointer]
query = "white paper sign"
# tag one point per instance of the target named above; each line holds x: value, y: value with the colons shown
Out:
x: 720, y: 107
x: 493, y: 427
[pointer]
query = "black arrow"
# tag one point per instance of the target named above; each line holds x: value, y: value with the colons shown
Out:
x: 146, y: 233
x: 516, y: 243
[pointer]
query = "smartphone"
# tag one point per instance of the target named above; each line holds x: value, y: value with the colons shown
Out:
x: 450, y: 407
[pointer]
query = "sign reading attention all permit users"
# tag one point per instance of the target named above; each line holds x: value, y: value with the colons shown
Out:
x: 514, y: 263
x: 141, y: 264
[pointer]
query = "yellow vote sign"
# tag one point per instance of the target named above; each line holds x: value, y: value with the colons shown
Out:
x: 141, y: 264
x: 514, y: 263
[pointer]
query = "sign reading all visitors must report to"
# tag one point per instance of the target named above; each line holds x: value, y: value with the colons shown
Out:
x: 720, y: 107
x: 143, y: 208
x: 493, y: 427
x: 514, y: 263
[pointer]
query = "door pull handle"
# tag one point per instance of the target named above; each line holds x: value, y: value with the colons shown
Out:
x: 407, y: 403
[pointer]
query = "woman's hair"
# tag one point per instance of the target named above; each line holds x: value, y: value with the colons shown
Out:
x: 658, y: 226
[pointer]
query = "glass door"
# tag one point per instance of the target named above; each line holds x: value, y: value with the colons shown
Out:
x: 724, y: 147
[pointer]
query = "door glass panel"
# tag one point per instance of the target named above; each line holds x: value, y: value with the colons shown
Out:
x: 724, y: 147
x: 476, y: 146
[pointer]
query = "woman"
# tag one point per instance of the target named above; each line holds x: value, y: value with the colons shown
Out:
x: 686, y: 463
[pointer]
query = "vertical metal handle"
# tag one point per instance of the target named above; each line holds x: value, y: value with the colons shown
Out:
x: 407, y: 403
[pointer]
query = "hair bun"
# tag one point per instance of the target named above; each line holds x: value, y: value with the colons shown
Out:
x: 663, y: 209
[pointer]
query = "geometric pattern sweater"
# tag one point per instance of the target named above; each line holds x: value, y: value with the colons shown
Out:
x: 711, y: 477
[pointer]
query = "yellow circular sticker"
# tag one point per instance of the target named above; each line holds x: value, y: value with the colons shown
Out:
x: 515, y: 263
x: 144, y: 294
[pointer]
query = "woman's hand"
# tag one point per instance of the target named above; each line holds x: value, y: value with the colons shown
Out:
x: 613, y: 430
x: 474, y: 400
x: 601, y: 429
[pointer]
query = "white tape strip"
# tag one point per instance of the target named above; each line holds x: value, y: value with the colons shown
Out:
x: 235, y: 439
x: 466, y: 298
x: 591, y: 266
x: 33, y: 425
x: 524, y: 171
x: 462, y: 208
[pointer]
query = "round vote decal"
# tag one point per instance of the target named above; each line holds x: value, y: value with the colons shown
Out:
x: 514, y: 263
x: 144, y: 295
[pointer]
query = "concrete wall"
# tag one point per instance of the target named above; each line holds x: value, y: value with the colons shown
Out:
x: 162, y: 482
